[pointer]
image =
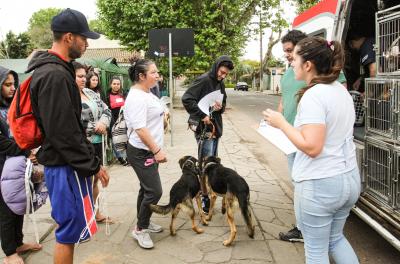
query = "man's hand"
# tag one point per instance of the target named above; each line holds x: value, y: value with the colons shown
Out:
x: 206, y: 120
x: 217, y: 106
x: 356, y: 84
x: 102, y: 175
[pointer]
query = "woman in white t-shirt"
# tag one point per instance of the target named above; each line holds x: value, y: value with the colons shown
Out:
x: 327, y: 180
x: 144, y: 115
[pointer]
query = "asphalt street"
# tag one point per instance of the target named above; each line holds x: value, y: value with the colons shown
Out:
x: 245, y: 113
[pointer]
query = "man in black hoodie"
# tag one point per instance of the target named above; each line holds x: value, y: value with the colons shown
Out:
x: 68, y: 157
x: 203, y: 125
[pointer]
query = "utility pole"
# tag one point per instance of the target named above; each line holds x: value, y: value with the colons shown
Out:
x: 261, y: 54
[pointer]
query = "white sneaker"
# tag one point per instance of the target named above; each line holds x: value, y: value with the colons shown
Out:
x: 154, y: 228
x: 143, y: 238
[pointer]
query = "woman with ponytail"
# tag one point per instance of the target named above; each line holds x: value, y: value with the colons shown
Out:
x: 144, y: 115
x: 325, y: 172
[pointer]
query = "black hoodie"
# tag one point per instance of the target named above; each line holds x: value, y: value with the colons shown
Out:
x: 201, y: 86
x: 56, y: 103
x: 8, y: 147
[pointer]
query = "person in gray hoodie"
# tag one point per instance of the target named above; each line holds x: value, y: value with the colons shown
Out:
x: 11, y: 224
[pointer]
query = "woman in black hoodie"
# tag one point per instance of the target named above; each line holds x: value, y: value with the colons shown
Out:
x: 10, y: 224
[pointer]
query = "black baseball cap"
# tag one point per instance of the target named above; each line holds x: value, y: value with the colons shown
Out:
x: 70, y: 20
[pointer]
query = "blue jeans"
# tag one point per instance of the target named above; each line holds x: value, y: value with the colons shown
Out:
x: 210, y: 147
x: 322, y: 207
x: 290, y: 161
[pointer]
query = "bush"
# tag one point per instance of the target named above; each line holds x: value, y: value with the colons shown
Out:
x: 229, y: 85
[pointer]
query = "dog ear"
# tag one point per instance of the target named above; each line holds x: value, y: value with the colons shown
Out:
x: 218, y: 160
x: 181, y: 161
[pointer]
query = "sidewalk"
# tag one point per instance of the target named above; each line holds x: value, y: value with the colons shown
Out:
x: 272, y: 209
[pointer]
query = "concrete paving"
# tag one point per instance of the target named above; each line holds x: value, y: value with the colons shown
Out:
x: 272, y: 209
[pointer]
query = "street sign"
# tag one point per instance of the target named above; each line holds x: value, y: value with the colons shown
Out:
x: 182, y: 42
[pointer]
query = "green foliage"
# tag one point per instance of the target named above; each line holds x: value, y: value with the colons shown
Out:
x: 220, y: 26
x: 96, y: 26
x: 274, y: 62
x: 229, y: 85
x: 303, y: 5
x: 245, y: 70
x: 15, y: 46
x: 39, y: 27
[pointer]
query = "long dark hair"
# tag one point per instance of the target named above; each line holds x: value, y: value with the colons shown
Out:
x: 138, y: 66
x: 90, y: 74
x: 327, y: 57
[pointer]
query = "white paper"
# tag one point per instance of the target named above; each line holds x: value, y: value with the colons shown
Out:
x: 209, y: 100
x: 276, y: 137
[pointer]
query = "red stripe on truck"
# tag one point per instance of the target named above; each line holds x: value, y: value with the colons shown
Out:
x: 325, y: 6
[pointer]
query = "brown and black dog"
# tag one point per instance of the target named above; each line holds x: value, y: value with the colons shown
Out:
x: 182, y: 194
x: 233, y: 189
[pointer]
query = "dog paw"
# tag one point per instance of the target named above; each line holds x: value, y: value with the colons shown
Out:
x: 198, y: 230
x: 204, y: 222
x: 172, y: 232
x: 227, y: 243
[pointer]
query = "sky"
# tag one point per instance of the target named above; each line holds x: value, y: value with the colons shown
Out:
x: 15, y: 15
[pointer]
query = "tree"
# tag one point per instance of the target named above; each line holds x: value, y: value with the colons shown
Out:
x: 270, y: 16
x: 15, y: 46
x: 96, y: 26
x: 303, y: 5
x: 39, y: 27
x: 220, y: 26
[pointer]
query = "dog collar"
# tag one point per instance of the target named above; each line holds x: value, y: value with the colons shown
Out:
x: 208, y: 165
x: 188, y: 160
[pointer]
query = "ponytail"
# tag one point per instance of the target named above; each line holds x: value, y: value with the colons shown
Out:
x: 326, y: 56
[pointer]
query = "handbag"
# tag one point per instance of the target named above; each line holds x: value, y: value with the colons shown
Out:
x: 119, y: 132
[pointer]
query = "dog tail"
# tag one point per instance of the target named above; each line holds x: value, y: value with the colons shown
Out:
x: 161, y: 209
x: 244, y: 203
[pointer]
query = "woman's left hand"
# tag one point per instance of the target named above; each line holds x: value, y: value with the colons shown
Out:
x: 273, y: 118
x: 100, y: 128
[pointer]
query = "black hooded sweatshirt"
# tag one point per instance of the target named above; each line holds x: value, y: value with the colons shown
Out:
x: 56, y: 104
x: 201, y: 86
x: 8, y: 147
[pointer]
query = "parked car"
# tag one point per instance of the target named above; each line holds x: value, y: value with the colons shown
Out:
x: 241, y: 86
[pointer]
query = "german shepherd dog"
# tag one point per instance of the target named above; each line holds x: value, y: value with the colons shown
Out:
x: 233, y: 189
x: 182, y: 194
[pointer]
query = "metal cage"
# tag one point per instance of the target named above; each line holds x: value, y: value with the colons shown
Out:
x: 379, y: 180
x: 396, y: 177
x: 388, y: 41
x: 382, y: 107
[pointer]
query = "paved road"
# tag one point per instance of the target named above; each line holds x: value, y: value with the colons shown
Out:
x: 245, y: 113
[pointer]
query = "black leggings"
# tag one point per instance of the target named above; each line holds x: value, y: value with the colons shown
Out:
x: 10, y: 229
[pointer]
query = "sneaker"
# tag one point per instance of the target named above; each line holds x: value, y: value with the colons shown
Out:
x: 143, y: 238
x: 293, y: 235
x: 205, y: 204
x: 154, y: 228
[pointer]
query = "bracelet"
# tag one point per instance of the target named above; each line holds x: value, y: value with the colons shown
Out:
x: 157, y: 151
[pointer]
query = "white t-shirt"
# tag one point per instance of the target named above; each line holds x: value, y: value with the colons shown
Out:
x: 144, y: 110
x: 332, y: 105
